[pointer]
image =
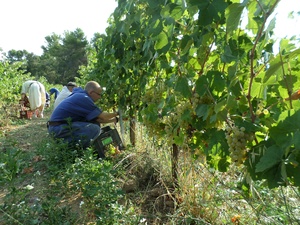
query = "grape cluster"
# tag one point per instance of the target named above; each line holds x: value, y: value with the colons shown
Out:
x: 261, y: 109
x: 154, y: 95
x: 167, y: 125
x: 237, y: 141
x: 195, y: 101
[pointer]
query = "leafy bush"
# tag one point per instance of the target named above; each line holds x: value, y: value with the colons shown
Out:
x: 11, y: 79
x: 95, y: 179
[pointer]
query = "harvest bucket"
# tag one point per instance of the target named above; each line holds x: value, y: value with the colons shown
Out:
x: 26, y: 114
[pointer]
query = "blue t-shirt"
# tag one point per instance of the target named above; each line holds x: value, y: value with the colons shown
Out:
x: 54, y: 91
x: 78, y: 106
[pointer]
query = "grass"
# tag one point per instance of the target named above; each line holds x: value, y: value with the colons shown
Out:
x: 44, y: 182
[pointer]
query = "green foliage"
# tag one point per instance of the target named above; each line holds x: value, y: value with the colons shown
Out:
x: 30, y: 62
x: 96, y: 180
x: 192, y: 74
x: 11, y: 78
x: 10, y: 164
x: 58, y: 154
x: 48, y: 211
x: 63, y: 56
x: 189, y: 70
x: 19, y: 205
x: 56, y: 173
x: 79, y: 171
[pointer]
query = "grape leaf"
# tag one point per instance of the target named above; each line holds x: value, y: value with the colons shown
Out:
x: 272, y: 157
x: 233, y: 14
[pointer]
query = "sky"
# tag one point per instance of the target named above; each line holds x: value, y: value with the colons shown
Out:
x: 287, y: 27
x: 24, y: 24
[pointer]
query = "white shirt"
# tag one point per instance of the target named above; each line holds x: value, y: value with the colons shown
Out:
x: 36, y: 92
x: 62, y: 95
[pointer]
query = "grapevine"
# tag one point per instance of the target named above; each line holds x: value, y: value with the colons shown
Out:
x: 191, y: 70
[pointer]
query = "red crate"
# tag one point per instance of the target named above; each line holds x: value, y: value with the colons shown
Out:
x: 26, y: 114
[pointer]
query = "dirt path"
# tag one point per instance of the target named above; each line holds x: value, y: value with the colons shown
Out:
x: 25, y: 135
x: 28, y: 132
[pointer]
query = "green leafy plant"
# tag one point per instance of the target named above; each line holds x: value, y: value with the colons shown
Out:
x: 11, y: 78
x: 95, y: 180
x: 10, y: 164
x: 203, y: 82
x: 19, y: 209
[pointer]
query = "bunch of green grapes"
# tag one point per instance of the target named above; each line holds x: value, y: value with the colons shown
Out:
x: 175, y: 120
x: 195, y: 101
x: 163, y: 128
x: 184, y: 107
x: 154, y: 129
x: 154, y: 95
x: 171, y: 123
x: 148, y: 96
x: 261, y: 109
x: 237, y: 141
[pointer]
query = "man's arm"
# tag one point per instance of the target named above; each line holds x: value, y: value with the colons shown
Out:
x: 106, y: 117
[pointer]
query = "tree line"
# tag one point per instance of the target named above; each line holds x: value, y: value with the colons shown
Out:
x: 62, y: 57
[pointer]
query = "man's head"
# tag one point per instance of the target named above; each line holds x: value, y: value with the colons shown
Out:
x: 71, y: 85
x: 93, y: 89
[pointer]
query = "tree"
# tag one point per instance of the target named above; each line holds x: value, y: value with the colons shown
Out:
x: 74, y: 54
x: 63, y: 56
x: 16, y: 55
x: 61, y: 59
x: 31, y: 62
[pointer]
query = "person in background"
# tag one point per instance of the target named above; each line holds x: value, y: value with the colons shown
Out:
x: 65, y: 92
x: 47, y: 104
x: 77, y: 119
x: 54, y: 91
x: 36, y: 96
